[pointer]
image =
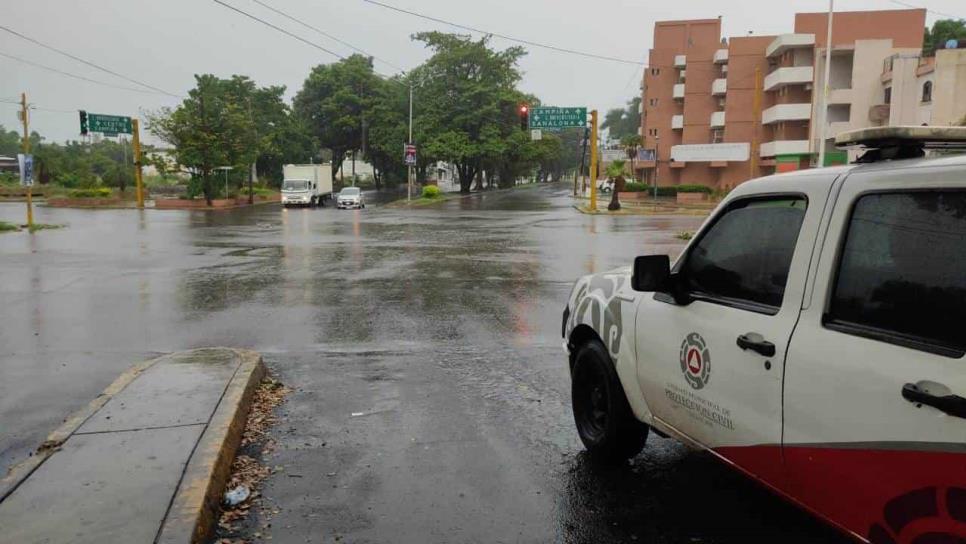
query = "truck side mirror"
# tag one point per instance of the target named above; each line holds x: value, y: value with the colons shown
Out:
x: 651, y: 272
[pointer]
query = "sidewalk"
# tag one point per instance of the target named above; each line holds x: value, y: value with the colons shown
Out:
x: 145, y: 461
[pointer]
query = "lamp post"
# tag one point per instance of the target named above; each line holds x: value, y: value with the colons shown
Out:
x: 657, y: 162
x: 823, y: 111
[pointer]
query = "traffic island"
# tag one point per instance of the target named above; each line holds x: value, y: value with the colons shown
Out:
x: 146, y: 461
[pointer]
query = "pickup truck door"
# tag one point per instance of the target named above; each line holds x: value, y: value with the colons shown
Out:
x: 875, y: 379
x: 711, y: 369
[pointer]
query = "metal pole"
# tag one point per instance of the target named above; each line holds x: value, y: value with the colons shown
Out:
x: 657, y: 162
x: 26, y: 151
x: 593, y: 160
x: 409, y: 187
x: 136, y: 142
x: 755, y: 124
x: 823, y: 111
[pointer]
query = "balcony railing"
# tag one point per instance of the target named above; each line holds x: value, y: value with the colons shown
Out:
x: 677, y: 122
x: 678, y: 92
x: 786, y: 112
x: 680, y: 61
x: 788, y: 41
x: 721, y: 56
x: 719, y: 86
x: 789, y: 75
x: 784, y: 147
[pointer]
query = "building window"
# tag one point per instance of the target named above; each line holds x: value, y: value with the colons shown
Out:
x: 887, y: 96
x: 655, y: 71
x: 927, y: 91
x: 652, y: 102
x: 652, y: 132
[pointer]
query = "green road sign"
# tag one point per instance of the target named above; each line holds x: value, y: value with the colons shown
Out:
x: 550, y: 117
x: 108, y: 124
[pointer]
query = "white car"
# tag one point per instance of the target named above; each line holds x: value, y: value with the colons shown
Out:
x: 811, y: 335
x: 350, y: 197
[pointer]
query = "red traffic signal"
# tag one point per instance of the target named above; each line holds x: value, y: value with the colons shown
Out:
x: 524, y: 111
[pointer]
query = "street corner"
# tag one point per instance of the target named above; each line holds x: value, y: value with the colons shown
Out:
x: 147, y: 458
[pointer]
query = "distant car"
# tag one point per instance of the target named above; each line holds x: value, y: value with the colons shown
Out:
x: 350, y: 197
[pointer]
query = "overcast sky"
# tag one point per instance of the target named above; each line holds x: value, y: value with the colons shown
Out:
x: 164, y: 43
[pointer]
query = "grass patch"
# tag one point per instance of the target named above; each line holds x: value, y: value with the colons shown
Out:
x: 684, y: 235
x: 44, y: 226
x: 8, y: 227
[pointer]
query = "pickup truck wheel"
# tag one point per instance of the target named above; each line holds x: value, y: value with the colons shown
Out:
x: 605, y: 423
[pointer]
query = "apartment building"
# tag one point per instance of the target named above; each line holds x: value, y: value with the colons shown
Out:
x: 717, y: 129
x: 917, y: 90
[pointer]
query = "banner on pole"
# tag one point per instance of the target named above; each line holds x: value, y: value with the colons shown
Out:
x: 26, y: 163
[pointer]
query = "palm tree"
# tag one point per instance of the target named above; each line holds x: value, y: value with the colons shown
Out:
x: 615, y: 171
x: 631, y: 143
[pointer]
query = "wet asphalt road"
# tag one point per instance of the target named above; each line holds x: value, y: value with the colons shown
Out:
x: 431, y: 398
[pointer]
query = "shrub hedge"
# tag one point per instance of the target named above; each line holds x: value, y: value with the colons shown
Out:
x: 695, y: 189
x: 431, y: 191
x: 96, y: 192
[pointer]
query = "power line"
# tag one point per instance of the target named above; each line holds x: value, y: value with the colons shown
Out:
x: 951, y: 16
x: 75, y: 76
x: 78, y: 59
x: 326, y: 34
x: 504, y: 36
x: 282, y: 30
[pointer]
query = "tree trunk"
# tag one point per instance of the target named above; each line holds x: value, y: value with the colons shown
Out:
x: 615, y: 203
x: 466, y: 175
x: 206, y: 188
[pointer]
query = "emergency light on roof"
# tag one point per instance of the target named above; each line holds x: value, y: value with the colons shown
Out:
x: 901, y: 142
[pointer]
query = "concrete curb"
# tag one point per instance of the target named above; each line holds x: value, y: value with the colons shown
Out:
x: 191, y: 516
x: 21, y: 471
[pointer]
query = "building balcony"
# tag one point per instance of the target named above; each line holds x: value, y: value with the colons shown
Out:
x: 682, y: 75
x: 789, y: 75
x: 717, y: 119
x: 719, y: 86
x: 837, y: 127
x: 677, y: 122
x: 786, y: 112
x: 879, y: 113
x: 680, y: 61
x: 721, y: 56
x: 789, y: 41
x: 840, y: 96
x: 678, y: 92
x: 784, y: 147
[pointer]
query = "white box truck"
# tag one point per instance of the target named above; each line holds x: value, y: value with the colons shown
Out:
x: 306, y: 184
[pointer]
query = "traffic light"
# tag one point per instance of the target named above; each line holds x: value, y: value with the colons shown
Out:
x: 83, y: 122
x: 524, y: 117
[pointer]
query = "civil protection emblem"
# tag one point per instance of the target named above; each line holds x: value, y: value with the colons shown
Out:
x: 695, y: 360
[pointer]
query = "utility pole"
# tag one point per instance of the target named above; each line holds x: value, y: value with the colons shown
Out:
x: 755, y: 124
x: 136, y: 142
x: 593, y: 160
x: 409, y: 189
x: 823, y: 111
x: 657, y: 163
x: 26, y: 151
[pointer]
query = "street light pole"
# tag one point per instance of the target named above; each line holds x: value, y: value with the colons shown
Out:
x: 823, y: 111
x: 657, y: 162
x: 409, y: 189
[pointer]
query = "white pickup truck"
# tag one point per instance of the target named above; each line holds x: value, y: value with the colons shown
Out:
x: 811, y: 335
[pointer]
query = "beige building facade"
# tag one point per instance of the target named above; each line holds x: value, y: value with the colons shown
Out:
x: 719, y: 112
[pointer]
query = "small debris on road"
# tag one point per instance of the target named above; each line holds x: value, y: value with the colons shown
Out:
x: 237, y: 495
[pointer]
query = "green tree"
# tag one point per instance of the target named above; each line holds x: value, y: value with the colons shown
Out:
x: 631, y: 143
x: 942, y: 30
x: 467, y: 101
x: 212, y: 127
x: 621, y: 122
x: 335, y: 104
x: 10, y: 142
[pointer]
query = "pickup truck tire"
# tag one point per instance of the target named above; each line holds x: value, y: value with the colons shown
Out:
x: 605, y: 423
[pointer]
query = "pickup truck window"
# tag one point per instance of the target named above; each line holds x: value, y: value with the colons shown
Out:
x: 902, y: 273
x: 744, y: 257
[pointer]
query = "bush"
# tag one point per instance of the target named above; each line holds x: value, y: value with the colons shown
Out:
x: 638, y: 187
x: 97, y: 192
x: 635, y: 187
x: 695, y: 189
x: 431, y: 191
